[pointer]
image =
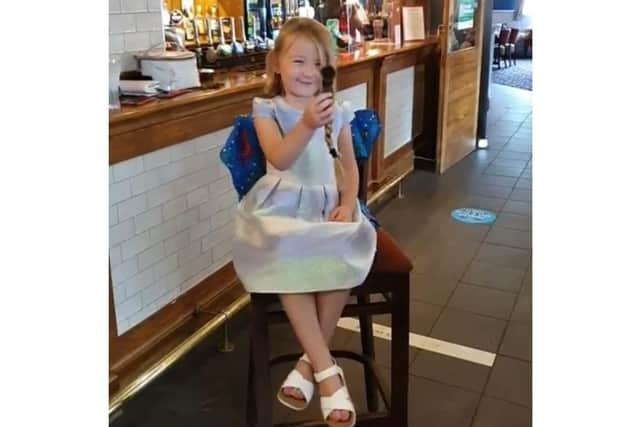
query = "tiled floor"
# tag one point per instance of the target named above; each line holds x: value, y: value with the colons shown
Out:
x: 471, y: 286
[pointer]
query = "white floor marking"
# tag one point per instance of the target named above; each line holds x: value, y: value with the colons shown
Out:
x: 458, y: 351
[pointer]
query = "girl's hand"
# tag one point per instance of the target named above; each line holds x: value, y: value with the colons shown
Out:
x: 342, y: 214
x: 319, y: 111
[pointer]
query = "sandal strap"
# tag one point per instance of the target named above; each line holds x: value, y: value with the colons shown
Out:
x: 329, y: 372
x: 340, y: 400
x: 305, y: 358
x: 296, y: 380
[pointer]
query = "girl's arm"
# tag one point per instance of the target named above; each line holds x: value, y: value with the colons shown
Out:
x: 349, y: 191
x: 282, y: 152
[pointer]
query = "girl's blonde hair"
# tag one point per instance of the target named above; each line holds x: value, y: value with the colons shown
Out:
x: 291, y: 30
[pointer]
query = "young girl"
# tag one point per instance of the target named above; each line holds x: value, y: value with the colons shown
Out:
x: 296, y: 234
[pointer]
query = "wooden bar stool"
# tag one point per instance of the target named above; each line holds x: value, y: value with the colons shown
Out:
x: 389, y: 276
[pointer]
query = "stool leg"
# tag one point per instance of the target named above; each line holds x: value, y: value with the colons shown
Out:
x: 251, y: 394
x: 400, y: 353
x: 260, y: 372
x: 368, y: 349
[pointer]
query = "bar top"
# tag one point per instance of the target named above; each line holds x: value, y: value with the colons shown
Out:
x: 225, y: 84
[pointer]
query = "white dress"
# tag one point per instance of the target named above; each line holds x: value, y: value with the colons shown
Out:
x: 284, y: 242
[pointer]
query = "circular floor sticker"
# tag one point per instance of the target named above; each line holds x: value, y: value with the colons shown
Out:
x: 473, y: 216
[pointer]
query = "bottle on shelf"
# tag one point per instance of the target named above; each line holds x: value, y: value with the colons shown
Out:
x: 305, y: 9
x: 277, y: 18
x: 343, y: 18
x: 372, y: 12
x: 322, y: 12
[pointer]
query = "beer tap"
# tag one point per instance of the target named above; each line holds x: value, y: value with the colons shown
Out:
x: 248, y: 44
x: 198, y: 49
x: 236, y: 46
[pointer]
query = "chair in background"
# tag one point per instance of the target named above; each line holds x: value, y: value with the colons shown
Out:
x: 500, y: 48
x: 510, y: 47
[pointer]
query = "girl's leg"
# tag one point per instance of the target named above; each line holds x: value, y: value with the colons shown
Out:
x: 330, y: 305
x: 302, y: 312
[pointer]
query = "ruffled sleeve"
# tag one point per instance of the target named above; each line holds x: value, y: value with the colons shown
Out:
x: 263, y: 107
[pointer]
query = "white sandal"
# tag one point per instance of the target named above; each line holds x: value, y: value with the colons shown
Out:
x: 340, y: 400
x: 296, y: 380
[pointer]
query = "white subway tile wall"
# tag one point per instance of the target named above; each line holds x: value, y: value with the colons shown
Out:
x: 171, y: 224
x: 134, y: 26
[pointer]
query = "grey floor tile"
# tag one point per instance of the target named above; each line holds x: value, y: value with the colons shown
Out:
x: 500, y: 413
x: 517, y: 222
x: 500, y: 132
x: 456, y: 230
x: 509, y: 237
x: 478, y: 202
x: 497, y: 144
x: 469, y: 329
x: 509, y: 163
x: 522, y: 310
x: 518, y: 148
x: 520, y: 208
x: 524, y: 183
x: 450, y: 370
x: 517, y: 341
x: 422, y: 317
x: 521, y: 195
x: 496, y: 191
x: 521, y: 138
x: 439, y: 405
x: 503, y: 181
x: 494, y: 276
x: 502, y: 129
x: 514, y: 155
x: 445, y: 258
x: 432, y: 291
x: 503, y: 123
x: 503, y: 171
x: 510, y: 380
x: 482, y: 300
x: 516, y: 259
x: 515, y: 116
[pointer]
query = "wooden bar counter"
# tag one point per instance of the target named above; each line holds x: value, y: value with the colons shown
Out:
x: 172, y: 204
x: 138, y: 130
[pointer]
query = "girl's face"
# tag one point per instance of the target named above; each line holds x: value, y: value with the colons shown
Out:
x: 299, y: 66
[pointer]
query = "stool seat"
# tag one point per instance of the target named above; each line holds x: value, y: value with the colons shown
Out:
x: 389, y: 257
